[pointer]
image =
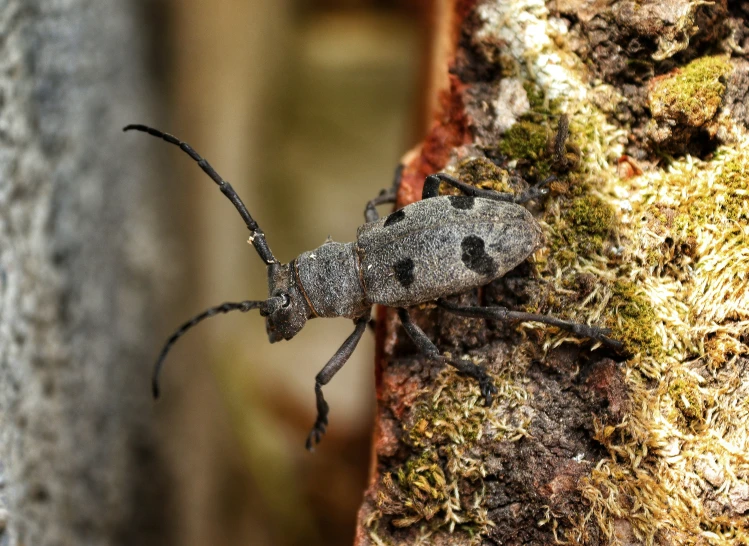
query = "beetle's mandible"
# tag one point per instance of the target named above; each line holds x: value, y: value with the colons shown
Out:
x: 433, y: 248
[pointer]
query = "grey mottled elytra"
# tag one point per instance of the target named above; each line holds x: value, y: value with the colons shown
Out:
x: 425, y: 251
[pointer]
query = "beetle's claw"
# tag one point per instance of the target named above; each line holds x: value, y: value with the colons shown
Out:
x: 315, y: 435
x: 488, y: 389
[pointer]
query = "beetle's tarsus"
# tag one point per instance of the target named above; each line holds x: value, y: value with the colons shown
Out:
x: 336, y: 362
x: 430, y: 350
x: 488, y: 389
x: 321, y: 422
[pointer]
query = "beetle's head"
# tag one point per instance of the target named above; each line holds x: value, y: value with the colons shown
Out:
x: 287, y: 311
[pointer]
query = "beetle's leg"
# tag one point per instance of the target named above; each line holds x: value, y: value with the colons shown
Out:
x: 385, y: 196
x: 432, y: 186
x: 502, y: 313
x: 430, y: 350
x: 370, y: 212
x: 327, y: 373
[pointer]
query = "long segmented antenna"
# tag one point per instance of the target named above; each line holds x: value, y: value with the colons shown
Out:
x: 243, y: 306
x: 258, y: 236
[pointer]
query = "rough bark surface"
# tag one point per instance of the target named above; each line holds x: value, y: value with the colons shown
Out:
x: 77, y: 456
x: 646, y: 231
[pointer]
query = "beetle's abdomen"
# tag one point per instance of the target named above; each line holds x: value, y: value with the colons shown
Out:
x: 330, y: 280
x: 442, y: 246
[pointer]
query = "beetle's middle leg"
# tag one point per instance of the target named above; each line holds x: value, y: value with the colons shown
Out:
x: 430, y: 350
x: 433, y: 181
x: 502, y: 313
x: 326, y: 374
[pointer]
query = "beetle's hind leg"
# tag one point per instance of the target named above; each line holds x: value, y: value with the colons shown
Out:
x: 502, y: 313
x: 430, y: 350
x: 386, y: 196
x: 326, y: 374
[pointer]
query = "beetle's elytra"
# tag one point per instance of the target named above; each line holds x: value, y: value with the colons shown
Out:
x: 433, y: 248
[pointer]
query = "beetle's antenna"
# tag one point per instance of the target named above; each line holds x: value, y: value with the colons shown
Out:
x: 258, y: 236
x: 243, y: 306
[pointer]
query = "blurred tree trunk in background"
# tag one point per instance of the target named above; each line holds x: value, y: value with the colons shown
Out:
x: 79, y: 462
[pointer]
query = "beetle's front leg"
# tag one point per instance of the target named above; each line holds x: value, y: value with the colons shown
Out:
x: 433, y: 181
x: 430, y: 350
x: 502, y: 313
x: 386, y: 196
x: 326, y: 374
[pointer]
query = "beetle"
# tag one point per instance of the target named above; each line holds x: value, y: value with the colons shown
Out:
x: 436, y: 247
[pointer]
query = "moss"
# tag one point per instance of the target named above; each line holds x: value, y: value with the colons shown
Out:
x: 417, y: 491
x: 536, y: 97
x: 585, y: 224
x: 540, y: 106
x: 732, y: 197
x: 721, y: 201
x: 686, y: 396
x: 524, y: 140
x: 452, y: 417
x: 633, y: 320
x: 690, y: 95
x: 591, y: 216
x: 483, y: 173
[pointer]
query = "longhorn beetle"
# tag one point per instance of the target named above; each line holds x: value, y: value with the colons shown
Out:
x: 433, y: 248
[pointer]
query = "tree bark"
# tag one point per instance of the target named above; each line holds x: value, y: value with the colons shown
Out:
x: 78, y: 460
x: 646, y: 234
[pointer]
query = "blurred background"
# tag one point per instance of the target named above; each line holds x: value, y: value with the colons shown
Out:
x: 306, y: 107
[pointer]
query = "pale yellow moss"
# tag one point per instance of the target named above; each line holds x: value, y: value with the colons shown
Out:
x: 449, y: 419
x: 694, y: 218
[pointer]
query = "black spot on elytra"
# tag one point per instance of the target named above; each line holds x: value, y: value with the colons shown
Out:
x: 394, y: 218
x: 475, y: 257
x: 462, y: 202
x: 404, y: 272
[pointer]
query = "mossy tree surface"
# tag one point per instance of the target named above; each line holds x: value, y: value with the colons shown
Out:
x: 647, y: 233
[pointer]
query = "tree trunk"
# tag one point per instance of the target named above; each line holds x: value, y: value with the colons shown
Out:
x: 645, y: 233
x: 78, y: 462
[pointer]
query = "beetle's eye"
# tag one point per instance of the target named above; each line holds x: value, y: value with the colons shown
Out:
x: 286, y: 300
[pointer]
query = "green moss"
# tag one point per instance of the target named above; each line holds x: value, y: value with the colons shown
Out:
x: 692, y: 94
x: 536, y: 96
x: 540, y: 106
x: 585, y: 224
x: 686, y: 396
x: 633, y: 320
x: 524, y: 140
x: 591, y: 215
